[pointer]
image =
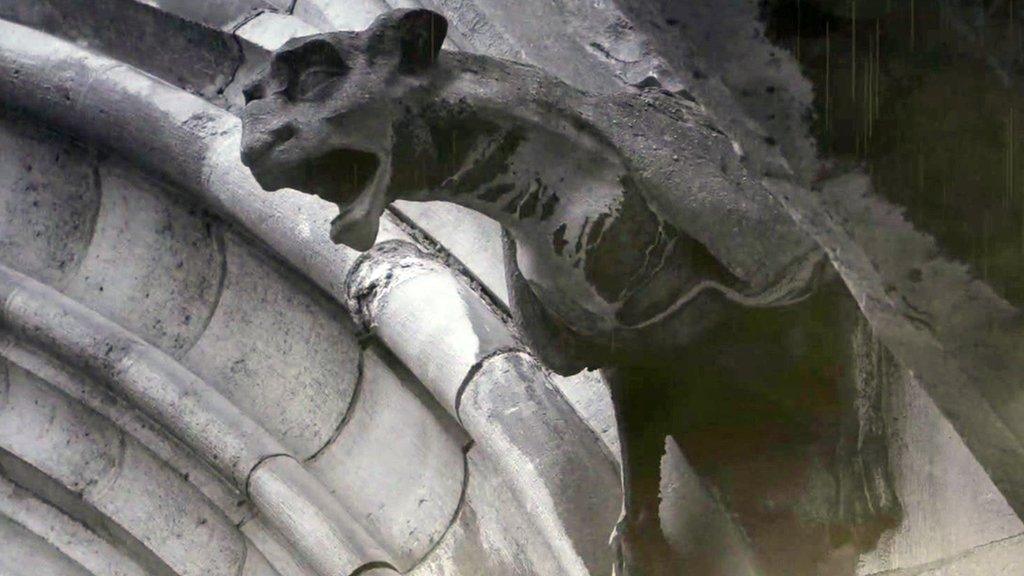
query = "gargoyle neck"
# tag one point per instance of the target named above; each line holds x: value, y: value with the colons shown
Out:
x: 501, y: 142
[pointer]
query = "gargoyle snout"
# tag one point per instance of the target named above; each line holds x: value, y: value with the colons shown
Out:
x: 253, y: 91
x: 256, y: 146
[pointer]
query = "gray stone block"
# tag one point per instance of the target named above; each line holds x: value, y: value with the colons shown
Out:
x: 152, y: 265
x: 541, y: 446
x: 114, y: 477
x: 49, y: 202
x: 397, y: 463
x: 279, y: 350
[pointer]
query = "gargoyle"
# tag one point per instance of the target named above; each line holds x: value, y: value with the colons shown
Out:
x: 633, y: 228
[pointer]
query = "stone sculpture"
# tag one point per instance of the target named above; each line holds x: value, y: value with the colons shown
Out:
x: 633, y: 230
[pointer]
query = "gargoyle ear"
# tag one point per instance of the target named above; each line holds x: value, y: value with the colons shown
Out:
x: 419, y: 33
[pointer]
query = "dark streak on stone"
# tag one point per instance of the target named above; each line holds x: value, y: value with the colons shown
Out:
x: 579, y: 239
x: 549, y: 207
x: 558, y: 241
x: 492, y: 165
x: 528, y: 207
x: 618, y: 248
x: 494, y: 192
x: 596, y: 229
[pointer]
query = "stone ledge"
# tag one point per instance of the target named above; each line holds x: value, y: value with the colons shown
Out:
x: 185, y: 405
x: 195, y: 145
x: 429, y: 319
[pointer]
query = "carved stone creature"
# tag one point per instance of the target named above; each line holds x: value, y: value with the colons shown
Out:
x: 632, y: 225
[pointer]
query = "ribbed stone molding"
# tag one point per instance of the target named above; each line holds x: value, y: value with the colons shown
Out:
x: 287, y: 496
x: 426, y: 316
x: 521, y: 425
x: 466, y: 355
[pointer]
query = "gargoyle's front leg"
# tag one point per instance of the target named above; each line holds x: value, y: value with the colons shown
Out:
x: 639, y: 411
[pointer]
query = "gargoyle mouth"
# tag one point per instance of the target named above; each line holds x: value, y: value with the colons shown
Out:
x: 353, y: 181
x: 339, y: 176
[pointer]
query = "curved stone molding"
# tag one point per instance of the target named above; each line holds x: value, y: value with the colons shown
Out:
x: 152, y: 266
x: 99, y: 398
x: 530, y: 435
x: 26, y: 554
x: 424, y: 314
x: 194, y: 412
x: 112, y: 475
x: 279, y: 350
x: 65, y: 534
x: 554, y: 463
x: 50, y: 202
x: 409, y: 492
x: 149, y: 379
x: 310, y: 519
x: 195, y: 146
x: 191, y: 54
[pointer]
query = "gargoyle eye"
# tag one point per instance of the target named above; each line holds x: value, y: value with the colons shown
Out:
x: 315, y: 83
x: 312, y: 69
x: 252, y: 92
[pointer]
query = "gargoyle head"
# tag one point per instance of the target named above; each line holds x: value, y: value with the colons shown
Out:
x: 319, y: 118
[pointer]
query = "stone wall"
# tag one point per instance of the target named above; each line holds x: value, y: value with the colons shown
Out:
x: 196, y: 381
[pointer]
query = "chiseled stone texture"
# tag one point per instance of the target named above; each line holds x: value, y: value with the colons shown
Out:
x: 529, y: 431
x: 398, y: 462
x: 83, y: 456
x: 279, y: 350
x: 26, y: 554
x: 65, y: 224
x: 50, y: 201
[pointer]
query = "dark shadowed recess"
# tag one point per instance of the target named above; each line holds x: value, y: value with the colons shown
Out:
x: 928, y: 95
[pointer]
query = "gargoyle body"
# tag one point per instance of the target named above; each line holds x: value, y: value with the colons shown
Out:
x: 633, y: 226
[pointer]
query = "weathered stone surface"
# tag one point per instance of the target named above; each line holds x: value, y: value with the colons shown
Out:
x: 274, y: 548
x: 279, y: 350
x: 966, y: 360
x: 153, y: 266
x: 696, y: 523
x: 223, y: 14
x: 255, y: 563
x: 49, y: 200
x: 327, y: 15
x: 951, y: 506
x: 587, y: 392
x: 324, y: 534
x: 1003, y: 557
x: 26, y: 554
x: 413, y: 303
x: 159, y: 387
x: 720, y: 54
x: 72, y: 445
x: 308, y: 225
x: 191, y: 55
x: 534, y: 436
x: 114, y: 476
x: 469, y: 236
x: 494, y: 533
x: 409, y: 493
x: 74, y: 540
x: 102, y: 400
